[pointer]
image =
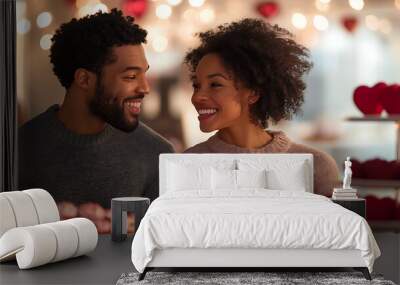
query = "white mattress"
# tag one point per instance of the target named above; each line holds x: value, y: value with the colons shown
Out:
x: 253, y: 218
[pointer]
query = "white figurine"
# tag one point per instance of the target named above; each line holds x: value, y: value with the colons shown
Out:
x: 347, y: 174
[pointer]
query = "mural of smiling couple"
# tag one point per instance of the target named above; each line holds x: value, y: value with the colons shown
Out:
x: 93, y: 146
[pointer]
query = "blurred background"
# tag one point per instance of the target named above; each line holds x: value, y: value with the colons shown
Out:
x: 351, y: 43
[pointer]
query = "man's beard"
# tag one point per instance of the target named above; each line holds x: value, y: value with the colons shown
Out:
x: 110, y: 111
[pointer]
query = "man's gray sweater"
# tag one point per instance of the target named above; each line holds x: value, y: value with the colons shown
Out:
x: 83, y: 168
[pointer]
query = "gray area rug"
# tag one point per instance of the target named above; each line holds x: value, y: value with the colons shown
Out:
x: 273, y: 278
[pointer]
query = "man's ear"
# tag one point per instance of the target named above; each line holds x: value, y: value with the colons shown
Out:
x: 84, y: 79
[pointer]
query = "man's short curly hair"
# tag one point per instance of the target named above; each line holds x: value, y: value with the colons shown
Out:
x: 263, y: 58
x: 88, y: 42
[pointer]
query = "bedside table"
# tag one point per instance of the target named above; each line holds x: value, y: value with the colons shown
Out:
x: 119, y: 208
x: 356, y: 205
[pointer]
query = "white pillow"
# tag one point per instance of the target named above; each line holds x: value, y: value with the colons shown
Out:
x: 228, y: 179
x: 181, y: 177
x: 281, y: 174
x: 223, y: 179
x: 293, y: 180
x: 251, y: 178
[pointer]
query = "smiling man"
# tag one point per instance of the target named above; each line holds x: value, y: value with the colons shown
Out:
x: 93, y: 147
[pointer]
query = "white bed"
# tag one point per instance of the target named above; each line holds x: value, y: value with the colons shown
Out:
x: 226, y: 217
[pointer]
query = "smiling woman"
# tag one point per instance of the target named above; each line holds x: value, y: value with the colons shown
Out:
x: 245, y: 74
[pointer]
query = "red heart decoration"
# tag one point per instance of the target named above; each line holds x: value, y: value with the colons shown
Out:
x: 350, y: 23
x: 268, y: 9
x: 391, y: 99
x: 380, y: 86
x: 397, y: 165
x: 135, y: 8
x: 380, y: 209
x: 380, y: 169
x: 393, y: 169
x: 367, y: 99
x: 357, y: 168
x: 397, y: 214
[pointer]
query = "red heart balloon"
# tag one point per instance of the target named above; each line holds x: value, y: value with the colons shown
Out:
x: 350, y: 23
x: 135, y: 8
x: 268, y: 9
x: 391, y: 99
x: 367, y: 99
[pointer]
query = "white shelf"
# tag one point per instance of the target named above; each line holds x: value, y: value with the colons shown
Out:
x: 371, y: 183
x: 375, y: 118
x: 381, y: 225
x: 379, y: 118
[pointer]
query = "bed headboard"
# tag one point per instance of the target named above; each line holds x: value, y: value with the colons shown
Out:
x: 276, y: 160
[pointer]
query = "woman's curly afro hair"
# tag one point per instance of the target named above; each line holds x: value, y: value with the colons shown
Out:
x: 263, y: 58
x: 88, y: 42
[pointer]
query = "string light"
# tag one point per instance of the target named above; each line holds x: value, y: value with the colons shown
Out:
x: 207, y: 15
x: 45, y: 41
x: 163, y: 11
x: 189, y: 15
x: 372, y: 22
x: 322, y: 5
x: 299, y: 21
x: 100, y: 7
x: 92, y: 7
x: 320, y: 22
x: 160, y: 43
x: 44, y: 19
x: 174, y: 2
x: 357, y: 4
x: 196, y: 3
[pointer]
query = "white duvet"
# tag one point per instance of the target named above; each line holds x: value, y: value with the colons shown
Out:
x: 253, y: 218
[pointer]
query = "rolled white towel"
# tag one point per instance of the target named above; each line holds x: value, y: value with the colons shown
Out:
x: 33, y: 246
x: 67, y: 240
x: 46, y: 207
x: 40, y: 244
x: 7, y: 218
x: 26, y: 208
x: 87, y: 235
x: 23, y: 208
